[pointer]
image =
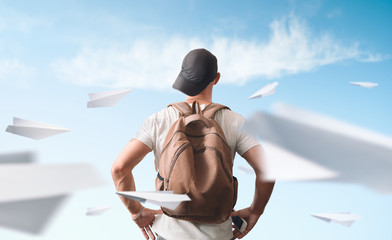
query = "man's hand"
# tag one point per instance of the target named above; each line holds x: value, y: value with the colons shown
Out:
x: 145, y: 221
x: 250, y: 217
x: 263, y: 190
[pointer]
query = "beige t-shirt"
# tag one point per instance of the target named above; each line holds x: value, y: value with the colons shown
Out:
x: 153, y: 133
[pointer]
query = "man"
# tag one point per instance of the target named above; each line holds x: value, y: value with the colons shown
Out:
x: 197, y: 78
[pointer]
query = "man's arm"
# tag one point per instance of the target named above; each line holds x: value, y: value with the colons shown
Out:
x: 122, y: 176
x: 263, y: 191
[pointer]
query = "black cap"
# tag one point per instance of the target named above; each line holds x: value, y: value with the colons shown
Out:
x: 199, y: 68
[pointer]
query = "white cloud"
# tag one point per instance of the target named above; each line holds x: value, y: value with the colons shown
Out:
x: 143, y: 64
x: 155, y: 63
x: 374, y: 57
x: 290, y: 49
x: 15, y: 72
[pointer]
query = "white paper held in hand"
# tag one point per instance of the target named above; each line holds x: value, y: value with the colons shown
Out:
x: 166, y: 199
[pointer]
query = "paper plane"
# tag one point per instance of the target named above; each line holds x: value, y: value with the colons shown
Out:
x: 346, y: 219
x: 344, y: 152
x: 246, y: 170
x: 365, y: 84
x: 17, y: 157
x: 35, y: 130
x: 281, y: 164
x: 268, y: 89
x: 30, y: 216
x: 94, y: 211
x: 31, y: 193
x: 287, y: 166
x: 107, y: 98
x: 33, y: 181
x: 166, y: 199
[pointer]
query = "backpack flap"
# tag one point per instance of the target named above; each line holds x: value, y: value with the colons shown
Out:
x: 182, y: 107
x: 196, y: 118
x: 192, y: 114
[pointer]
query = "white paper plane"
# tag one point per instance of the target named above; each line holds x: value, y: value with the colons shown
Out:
x: 35, y: 130
x: 24, y: 181
x: 268, y: 89
x: 354, y: 154
x: 365, y: 84
x: 281, y: 164
x: 287, y: 166
x: 30, y: 216
x: 107, y: 98
x: 31, y: 193
x: 94, y: 211
x: 345, y: 218
x: 166, y: 199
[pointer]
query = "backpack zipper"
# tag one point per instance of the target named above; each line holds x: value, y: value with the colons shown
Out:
x: 179, y: 151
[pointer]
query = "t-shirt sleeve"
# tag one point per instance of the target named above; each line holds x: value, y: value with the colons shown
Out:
x: 245, y: 140
x: 146, y: 133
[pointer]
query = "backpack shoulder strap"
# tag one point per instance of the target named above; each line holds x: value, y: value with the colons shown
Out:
x: 210, y: 110
x: 182, y: 107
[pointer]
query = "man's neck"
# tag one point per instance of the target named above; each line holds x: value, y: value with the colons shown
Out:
x: 200, y: 99
x: 205, y: 97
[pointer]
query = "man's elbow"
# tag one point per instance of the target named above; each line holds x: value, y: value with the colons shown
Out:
x: 118, y: 171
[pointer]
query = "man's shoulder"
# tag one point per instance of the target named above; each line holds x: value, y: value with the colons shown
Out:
x: 167, y: 112
x: 229, y: 112
x: 229, y: 117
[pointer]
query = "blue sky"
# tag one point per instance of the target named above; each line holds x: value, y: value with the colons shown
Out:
x: 52, y: 54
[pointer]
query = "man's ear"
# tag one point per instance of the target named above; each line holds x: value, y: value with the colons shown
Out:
x: 217, y: 78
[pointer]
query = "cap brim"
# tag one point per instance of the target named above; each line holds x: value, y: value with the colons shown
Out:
x: 190, y: 88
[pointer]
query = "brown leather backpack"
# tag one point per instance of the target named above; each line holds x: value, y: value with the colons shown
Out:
x: 196, y: 160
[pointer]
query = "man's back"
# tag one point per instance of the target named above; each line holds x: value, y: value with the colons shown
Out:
x: 153, y: 133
